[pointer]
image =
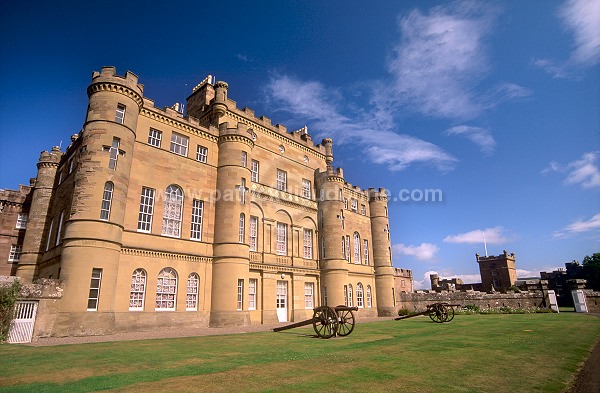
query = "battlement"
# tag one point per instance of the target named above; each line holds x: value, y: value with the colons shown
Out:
x: 109, y: 72
x: 502, y: 256
x: 357, y: 191
x: 329, y: 172
x: 239, y: 129
x: 378, y: 195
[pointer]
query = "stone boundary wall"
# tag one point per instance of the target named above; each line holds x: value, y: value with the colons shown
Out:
x: 418, y: 301
x: 592, y: 299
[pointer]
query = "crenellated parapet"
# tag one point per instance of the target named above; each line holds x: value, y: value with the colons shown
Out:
x: 50, y: 158
x: 380, y: 195
x: 237, y: 133
x: 108, y: 80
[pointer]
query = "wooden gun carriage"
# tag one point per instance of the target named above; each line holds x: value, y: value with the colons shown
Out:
x: 438, y: 312
x: 328, y: 321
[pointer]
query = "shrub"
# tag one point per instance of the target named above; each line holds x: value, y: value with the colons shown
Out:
x: 8, y: 297
x: 402, y: 312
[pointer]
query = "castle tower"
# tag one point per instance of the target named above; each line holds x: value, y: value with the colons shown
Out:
x: 231, y: 257
x: 93, y: 231
x: 39, y: 214
x: 435, y: 281
x: 382, y: 252
x: 498, y: 272
x: 334, y: 267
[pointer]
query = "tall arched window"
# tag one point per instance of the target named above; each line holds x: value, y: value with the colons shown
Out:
x: 369, y: 302
x: 166, y: 289
x: 106, y: 201
x: 138, y: 290
x: 359, y: 295
x: 350, y: 297
x: 356, y: 248
x: 193, y: 284
x: 171, y: 225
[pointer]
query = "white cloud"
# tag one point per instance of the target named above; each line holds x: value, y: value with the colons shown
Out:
x: 422, y: 252
x: 584, y: 171
x: 582, y: 19
x: 578, y: 227
x: 480, y: 136
x: 494, y: 235
x: 425, y: 283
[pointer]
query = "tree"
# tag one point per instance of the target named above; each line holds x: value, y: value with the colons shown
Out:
x: 591, y: 270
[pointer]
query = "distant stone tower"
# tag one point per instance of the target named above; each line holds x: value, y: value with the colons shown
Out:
x: 39, y: 215
x: 93, y: 231
x: 382, y: 252
x: 231, y: 259
x: 334, y: 267
x: 498, y: 272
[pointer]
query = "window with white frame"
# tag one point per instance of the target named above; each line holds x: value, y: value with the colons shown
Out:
x: 348, y: 248
x: 137, y: 292
x: 154, y: 137
x: 306, y: 188
x: 120, y: 114
x: 179, y: 144
x: 191, y: 300
x: 309, y: 295
x: 71, y: 165
x: 166, y: 289
x: 202, y: 154
x: 366, y: 251
x: 363, y: 210
x: 359, y: 296
x: 343, y: 247
x: 173, y: 208
x: 106, y: 201
x: 369, y: 302
x: 252, y: 285
x: 242, y: 229
x: 346, y: 295
x: 59, y: 229
x: 244, y: 159
x: 324, y: 296
x: 308, y: 238
x: 253, y: 233
x: 281, y: 238
x: 281, y: 180
x: 22, y: 219
x: 346, y: 203
x: 49, y: 234
x: 94, y: 294
x: 240, y: 294
x: 197, y: 210
x: 350, y: 296
x: 146, y: 210
x: 114, y: 153
x: 356, y: 247
x: 323, y: 247
x: 15, y: 253
x: 341, y: 195
x: 254, y: 165
x: 354, y: 205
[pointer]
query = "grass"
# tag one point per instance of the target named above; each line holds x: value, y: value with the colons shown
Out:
x: 473, y: 353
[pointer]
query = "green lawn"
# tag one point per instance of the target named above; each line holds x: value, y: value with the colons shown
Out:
x: 473, y: 353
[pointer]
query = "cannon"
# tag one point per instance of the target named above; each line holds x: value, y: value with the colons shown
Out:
x: 438, y: 312
x: 328, y: 321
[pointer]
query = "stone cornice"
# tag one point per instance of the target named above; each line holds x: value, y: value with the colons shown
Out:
x: 236, y: 138
x: 47, y: 164
x: 281, y: 269
x: 269, y: 194
x: 150, y: 114
x: 164, y: 255
x: 116, y: 88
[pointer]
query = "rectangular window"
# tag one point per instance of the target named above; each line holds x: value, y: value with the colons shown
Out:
x: 22, y: 219
x: 202, y: 154
x: 146, y: 210
x: 244, y: 159
x: 346, y: 295
x: 281, y: 180
x: 252, y: 284
x: 363, y: 210
x: 354, y: 205
x: 94, y: 290
x: 106, y: 201
x: 59, y: 229
x: 15, y: 253
x: 308, y: 236
x: 253, y: 232
x: 120, y: 114
x: 114, y: 153
x: 254, y: 171
x: 49, y: 234
x: 323, y: 247
x: 154, y: 137
x: 309, y: 295
x: 348, y: 248
x: 281, y: 238
x: 71, y: 165
x: 324, y: 296
x: 346, y: 203
x: 366, y: 251
x: 242, y: 228
x: 306, y: 189
x: 240, y: 295
x: 179, y: 144
x: 197, y: 208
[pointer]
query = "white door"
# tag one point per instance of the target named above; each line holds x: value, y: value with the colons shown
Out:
x: 282, y: 301
x: 21, y: 327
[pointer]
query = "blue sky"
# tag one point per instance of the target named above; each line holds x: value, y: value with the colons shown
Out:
x: 494, y: 104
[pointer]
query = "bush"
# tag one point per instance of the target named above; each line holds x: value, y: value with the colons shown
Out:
x: 8, y: 297
x: 402, y: 312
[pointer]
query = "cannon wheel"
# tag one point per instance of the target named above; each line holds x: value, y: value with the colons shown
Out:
x: 438, y: 313
x: 325, y: 322
x: 346, y: 322
x: 450, y: 314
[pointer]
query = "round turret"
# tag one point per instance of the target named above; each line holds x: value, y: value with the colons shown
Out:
x: 220, y: 101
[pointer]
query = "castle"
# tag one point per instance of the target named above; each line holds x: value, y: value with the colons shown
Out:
x: 218, y: 218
